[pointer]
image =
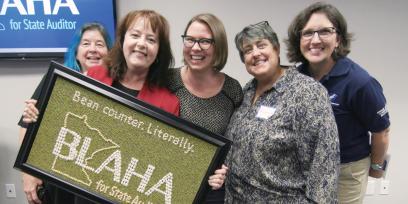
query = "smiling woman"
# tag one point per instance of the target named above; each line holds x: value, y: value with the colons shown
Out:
x: 92, y: 48
x: 88, y: 47
x: 91, y: 41
x: 140, y: 55
x: 139, y: 61
x: 284, y: 114
x: 318, y: 38
x: 208, y: 96
x: 137, y: 65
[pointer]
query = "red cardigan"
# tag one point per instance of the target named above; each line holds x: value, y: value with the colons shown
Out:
x: 159, y: 97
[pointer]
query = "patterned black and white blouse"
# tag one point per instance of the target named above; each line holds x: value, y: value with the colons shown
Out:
x: 285, y: 146
x: 211, y: 113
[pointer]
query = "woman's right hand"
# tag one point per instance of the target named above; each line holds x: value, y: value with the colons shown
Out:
x: 30, y: 186
x: 31, y: 183
x: 30, y: 113
x: 217, y: 179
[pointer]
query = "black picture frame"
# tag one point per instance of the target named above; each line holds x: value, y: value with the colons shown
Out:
x: 58, y: 72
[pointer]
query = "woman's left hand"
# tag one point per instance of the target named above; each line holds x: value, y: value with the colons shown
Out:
x: 217, y: 180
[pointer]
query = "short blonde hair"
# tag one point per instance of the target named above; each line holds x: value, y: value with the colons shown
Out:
x: 219, y: 36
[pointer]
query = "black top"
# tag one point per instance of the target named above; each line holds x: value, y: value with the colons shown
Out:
x: 132, y: 92
x: 211, y: 113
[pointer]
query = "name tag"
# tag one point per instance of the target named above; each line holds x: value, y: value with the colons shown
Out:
x: 265, y: 112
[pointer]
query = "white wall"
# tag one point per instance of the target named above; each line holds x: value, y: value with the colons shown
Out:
x: 18, y: 80
x: 380, y: 46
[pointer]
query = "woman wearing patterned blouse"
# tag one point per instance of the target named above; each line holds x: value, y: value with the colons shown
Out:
x: 207, y: 96
x: 285, y: 141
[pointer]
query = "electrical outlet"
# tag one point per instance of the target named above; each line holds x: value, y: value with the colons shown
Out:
x: 385, y: 187
x: 10, y: 191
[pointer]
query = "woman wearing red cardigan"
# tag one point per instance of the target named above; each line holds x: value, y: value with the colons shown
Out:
x: 139, y: 60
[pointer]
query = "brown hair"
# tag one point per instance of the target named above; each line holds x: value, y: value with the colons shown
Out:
x: 334, y: 16
x: 219, y: 36
x: 157, y: 74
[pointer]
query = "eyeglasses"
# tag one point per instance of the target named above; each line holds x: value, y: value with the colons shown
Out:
x: 256, y: 25
x: 203, y: 43
x: 322, y: 33
x: 260, y: 24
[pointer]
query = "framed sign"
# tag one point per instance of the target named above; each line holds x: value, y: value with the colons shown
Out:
x: 109, y: 147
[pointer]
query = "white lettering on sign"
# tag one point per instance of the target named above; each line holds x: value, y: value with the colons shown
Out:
x: 71, y: 146
x: 46, y: 5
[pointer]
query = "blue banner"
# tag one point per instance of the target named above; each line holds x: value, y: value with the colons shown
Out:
x: 50, y: 23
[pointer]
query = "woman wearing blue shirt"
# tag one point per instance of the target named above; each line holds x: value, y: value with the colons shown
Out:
x: 319, y: 40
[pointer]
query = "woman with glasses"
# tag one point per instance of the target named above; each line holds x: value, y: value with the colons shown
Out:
x: 207, y: 96
x: 318, y: 39
x: 285, y: 144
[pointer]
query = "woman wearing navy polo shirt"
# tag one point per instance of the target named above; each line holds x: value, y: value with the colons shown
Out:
x: 318, y: 38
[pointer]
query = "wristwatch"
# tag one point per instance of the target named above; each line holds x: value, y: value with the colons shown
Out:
x: 377, y: 167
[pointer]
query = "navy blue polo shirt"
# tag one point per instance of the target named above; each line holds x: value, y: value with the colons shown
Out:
x: 359, y: 106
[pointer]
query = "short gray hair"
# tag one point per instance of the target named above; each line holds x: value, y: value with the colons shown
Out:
x: 254, y: 32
